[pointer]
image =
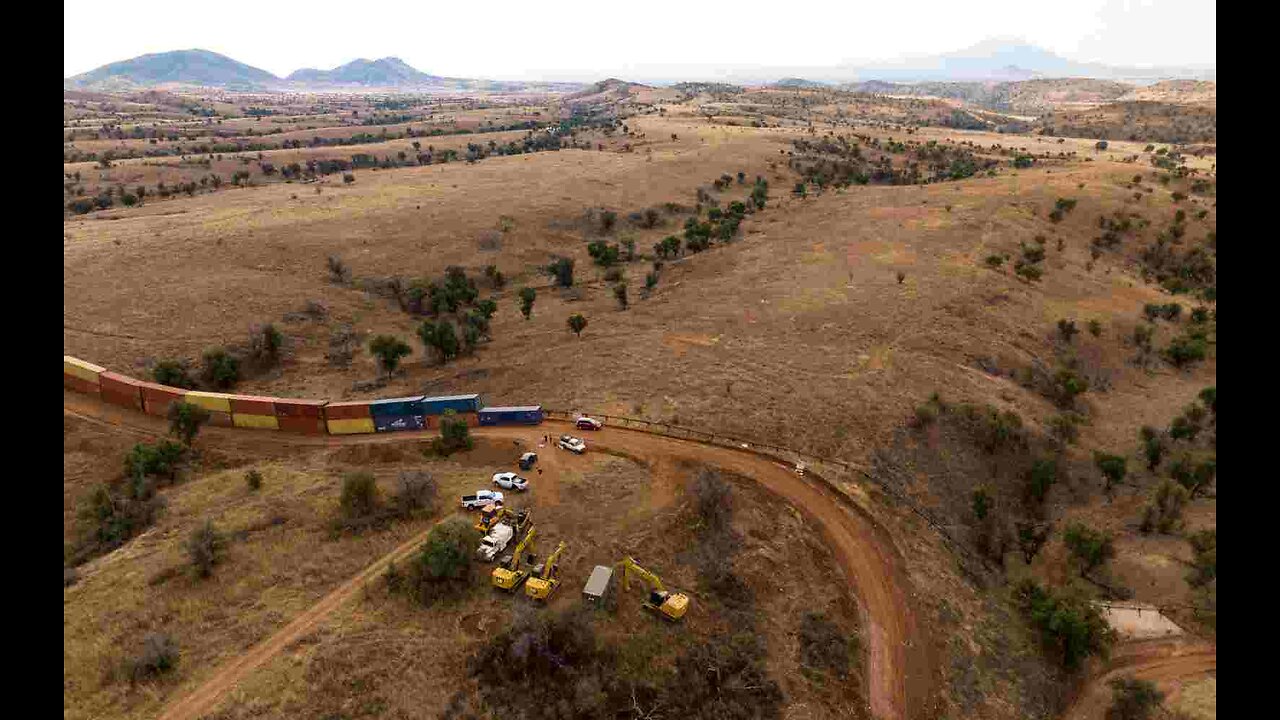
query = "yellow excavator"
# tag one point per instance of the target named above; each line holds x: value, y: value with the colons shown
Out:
x: 669, y: 605
x: 546, y: 577
x: 510, y: 573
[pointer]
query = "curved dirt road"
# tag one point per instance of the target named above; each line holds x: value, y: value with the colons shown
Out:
x: 863, y: 550
x: 1169, y: 663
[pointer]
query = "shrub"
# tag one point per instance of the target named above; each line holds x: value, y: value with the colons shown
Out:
x: 253, y: 479
x: 1065, y: 427
x: 982, y: 502
x: 561, y: 268
x: 1040, y: 478
x: 901, y: 276
x: 620, y: 294
x: 1209, y: 396
x: 926, y: 415
x: 995, y: 261
x: 824, y: 647
x: 577, y: 323
x: 1069, y: 625
x: 172, y: 373
x: 348, y: 178
x: 159, y: 460
x: 1185, y: 349
x: 265, y: 343
x: 159, y: 655
x: 1133, y: 699
x: 416, y: 491
x: 1067, y: 386
x: 204, y: 549
x: 1113, y: 467
x: 1090, y: 548
x: 221, y: 369
x: 359, y: 497
x: 650, y: 281
x: 1095, y: 328
x: 495, y: 276
x: 527, y: 296
x: 442, y: 568
x: 185, y: 420
x: 1152, y: 446
x: 389, y: 349
x: 454, y: 435
x: 441, y: 337
x: 1028, y: 271
x: 338, y: 270
x: 1067, y: 329
x: 1164, y: 513
x: 1204, y: 546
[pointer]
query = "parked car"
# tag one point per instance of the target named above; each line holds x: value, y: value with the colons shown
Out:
x: 582, y: 422
x: 510, y: 481
x: 573, y: 444
x: 481, y: 498
x: 528, y: 460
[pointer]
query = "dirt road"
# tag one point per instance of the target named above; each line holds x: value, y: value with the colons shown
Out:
x: 865, y: 554
x: 1169, y: 663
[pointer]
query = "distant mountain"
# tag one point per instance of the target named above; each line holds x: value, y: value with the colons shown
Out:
x: 190, y: 67
x: 795, y: 82
x: 1010, y: 60
x: 385, y: 72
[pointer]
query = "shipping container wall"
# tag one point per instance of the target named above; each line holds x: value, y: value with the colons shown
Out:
x: 289, y: 407
x: 79, y: 368
x: 396, y: 406
x: 130, y: 399
x: 305, y: 425
x: 253, y: 405
x: 215, y: 402
x: 392, y: 423
x: 262, y: 422
x: 347, y: 411
x: 351, y: 426
x: 79, y: 384
x: 457, y: 403
x: 220, y: 419
x: 511, y: 416
x: 117, y: 383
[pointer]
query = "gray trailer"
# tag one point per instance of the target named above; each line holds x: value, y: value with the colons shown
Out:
x: 597, y: 583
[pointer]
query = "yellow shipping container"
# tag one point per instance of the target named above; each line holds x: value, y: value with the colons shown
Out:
x: 351, y: 426
x: 217, y: 402
x: 81, y: 369
x: 266, y: 422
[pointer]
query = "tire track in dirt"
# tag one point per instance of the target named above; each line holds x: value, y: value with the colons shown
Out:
x: 1169, y: 663
x: 863, y: 549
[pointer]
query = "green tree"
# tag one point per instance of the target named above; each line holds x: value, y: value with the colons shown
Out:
x: 205, y: 548
x: 527, y: 296
x: 561, y: 269
x: 221, y: 369
x: 454, y: 434
x: 185, y: 420
x: 1090, y: 548
x: 443, y: 567
x: 360, y: 496
x: 389, y: 349
x: 441, y: 337
x: 1113, y: 467
x: 1068, y: 624
x: 172, y: 373
x: 577, y: 323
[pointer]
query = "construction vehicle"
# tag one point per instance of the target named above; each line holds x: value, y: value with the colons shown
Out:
x: 669, y: 605
x: 510, y: 573
x: 495, y: 542
x: 490, y: 515
x: 546, y: 576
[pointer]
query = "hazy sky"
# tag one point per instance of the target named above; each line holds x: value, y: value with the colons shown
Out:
x: 497, y: 39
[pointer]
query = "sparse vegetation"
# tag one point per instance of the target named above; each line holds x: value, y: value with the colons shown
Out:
x: 205, y: 548
x: 389, y: 349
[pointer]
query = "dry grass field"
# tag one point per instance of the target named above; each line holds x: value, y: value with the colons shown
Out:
x: 822, y: 326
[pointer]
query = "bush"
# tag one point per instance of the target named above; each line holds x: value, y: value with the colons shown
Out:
x: 1113, y: 467
x: 172, y: 373
x: 1069, y: 625
x: 1067, y: 330
x: 982, y: 502
x: 338, y: 270
x: 1095, y: 328
x: 221, y: 369
x: 1152, y: 446
x: 561, y: 268
x: 1185, y: 349
x: 159, y: 460
x: 348, y: 178
x: 1133, y: 699
x: 389, y: 349
x: 253, y: 479
x: 824, y: 647
x: 441, y: 337
x: 577, y: 323
x: 620, y: 294
x: 1164, y: 513
x: 527, y: 296
x: 1028, y: 271
x: 416, y: 491
x: 1090, y: 548
x: 1204, y: 546
x: 159, y: 655
x: 442, y: 568
x: 1067, y: 386
x: 185, y: 420
x: 454, y: 435
x: 1065, y: 427
x: 204, y: 549
x: 359, y: 495
x: 265, y: 343
x: 995, y: 261
x: 1043, y: 473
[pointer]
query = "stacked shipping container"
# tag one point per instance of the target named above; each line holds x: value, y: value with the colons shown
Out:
x: 80, y: 376
x: 348, y: 418
x: 523, y: 415
x: 254, y: 411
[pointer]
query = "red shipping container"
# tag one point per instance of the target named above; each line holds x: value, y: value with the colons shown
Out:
x: 156, y: 407
x: 347, y: 410
x: 220, y: 419
x: 153, y: 392
x: 71, y: 382
x: 306, y: 425
x: 118, y: 383
x: 289, y: 407
x: 253, y: 405
x: 132, y: 400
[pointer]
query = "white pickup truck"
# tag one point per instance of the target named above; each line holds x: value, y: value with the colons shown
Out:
x: 495, y: 542
x: 481, y: 498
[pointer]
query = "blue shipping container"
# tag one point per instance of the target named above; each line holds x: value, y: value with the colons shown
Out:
x: 526, y: 415
x: 393, y: 423
x: 396, y: 406
x: 456, y: 403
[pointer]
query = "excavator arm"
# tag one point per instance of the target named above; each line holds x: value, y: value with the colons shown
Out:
x: 630, y: 566
x: 519, y: 551
x: 549, y: 567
